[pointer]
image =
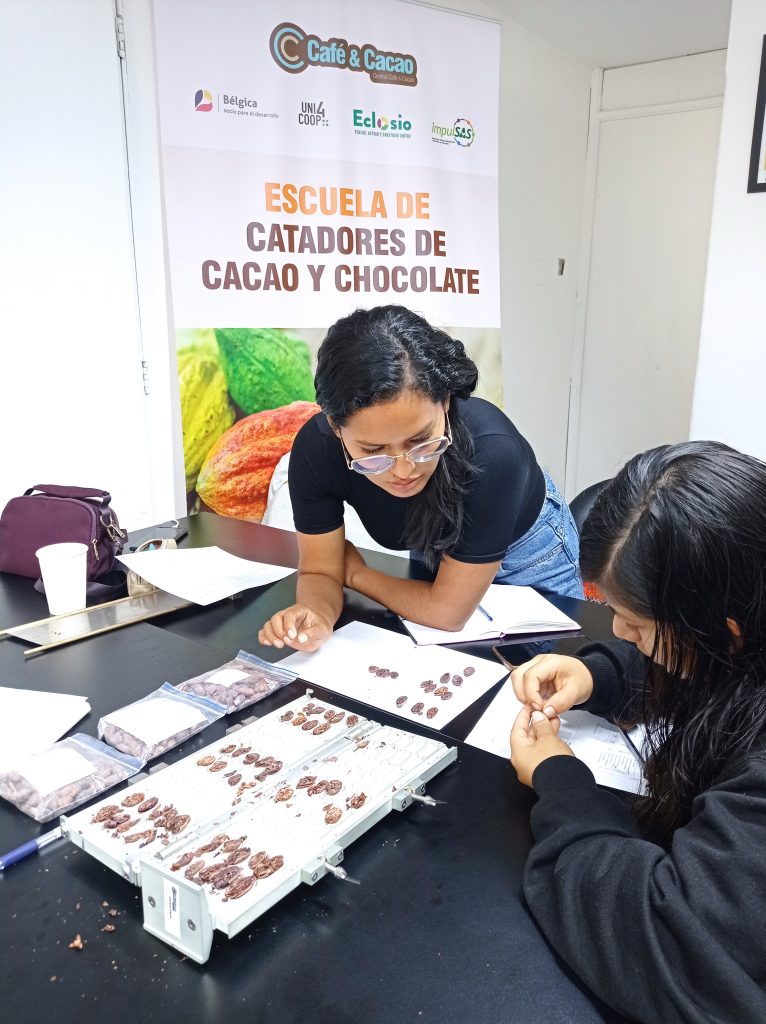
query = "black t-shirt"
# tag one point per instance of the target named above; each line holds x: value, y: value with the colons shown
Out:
x: 503, y: 499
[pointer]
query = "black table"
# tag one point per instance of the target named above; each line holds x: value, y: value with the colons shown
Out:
x: 437, y: 930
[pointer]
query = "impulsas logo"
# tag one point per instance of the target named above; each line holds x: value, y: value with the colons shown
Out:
x: 461, y: 133
x: 295, y: 50
x: 203, y: 100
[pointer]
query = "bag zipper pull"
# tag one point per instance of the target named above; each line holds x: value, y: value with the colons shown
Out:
x: 115, y: 533
x: 95, y: 548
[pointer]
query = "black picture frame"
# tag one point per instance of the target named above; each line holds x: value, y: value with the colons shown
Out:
x: 756, y: 181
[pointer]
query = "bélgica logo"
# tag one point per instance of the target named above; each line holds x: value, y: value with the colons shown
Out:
x: 313, y: 113
x: 379, y: 124
x: 240, y: 102
x: 230, y: 103
x: 294, y: 50
x: 203, y: 101
x: 461, y: 133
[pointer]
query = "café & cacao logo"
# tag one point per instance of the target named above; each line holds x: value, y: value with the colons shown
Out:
x: 294, y: 50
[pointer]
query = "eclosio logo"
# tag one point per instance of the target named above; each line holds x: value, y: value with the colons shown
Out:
x: 461, y: 133
x: 295, y: 50
x: 371, y: 123
x: 203, y: 100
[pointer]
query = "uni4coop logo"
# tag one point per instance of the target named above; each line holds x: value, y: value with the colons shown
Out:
x: 203, y: 100
x: 462, y: 133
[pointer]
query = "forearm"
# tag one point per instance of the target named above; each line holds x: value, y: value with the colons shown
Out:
x: 321, y: 593
x: 412, y: 599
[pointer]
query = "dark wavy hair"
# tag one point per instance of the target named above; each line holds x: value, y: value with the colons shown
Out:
x: 679, y: 537
x: 371, y: 357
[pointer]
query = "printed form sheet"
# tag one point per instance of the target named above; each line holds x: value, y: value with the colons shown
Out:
x: 598, y: 743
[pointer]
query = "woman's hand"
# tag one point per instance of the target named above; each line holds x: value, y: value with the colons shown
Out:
x: 298, y: 627
x: 552, y: 683
x: 534, y: 738
x: 352, y: 562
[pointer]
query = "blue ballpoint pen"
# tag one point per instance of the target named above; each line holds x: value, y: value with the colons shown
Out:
x: 31, y: 847
x: 485, y: 613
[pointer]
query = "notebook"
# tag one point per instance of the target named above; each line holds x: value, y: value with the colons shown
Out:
x: 503, y: 611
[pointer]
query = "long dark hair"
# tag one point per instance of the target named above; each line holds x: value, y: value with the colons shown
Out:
x: 371, y: 357
x: 679, y: 537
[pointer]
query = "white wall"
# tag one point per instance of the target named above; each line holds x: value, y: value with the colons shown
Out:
x: 543, y: 137
x: 728, y: 396
x: 544, y: 107
x: 73, y: 400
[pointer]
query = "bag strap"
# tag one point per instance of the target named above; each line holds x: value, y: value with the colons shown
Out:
x: 107, y: 587
x: 84, y: 493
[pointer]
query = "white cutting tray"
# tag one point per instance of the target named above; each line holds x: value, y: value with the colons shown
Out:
x: 383, y: 763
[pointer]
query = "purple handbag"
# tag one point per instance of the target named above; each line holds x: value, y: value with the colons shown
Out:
x: 49, y: 514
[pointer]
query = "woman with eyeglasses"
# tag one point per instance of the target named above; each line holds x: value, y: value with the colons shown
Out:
x: 660, y: 907
x: 428, y: 468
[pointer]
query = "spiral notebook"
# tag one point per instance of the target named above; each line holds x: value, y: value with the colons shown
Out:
x: 503, y: 611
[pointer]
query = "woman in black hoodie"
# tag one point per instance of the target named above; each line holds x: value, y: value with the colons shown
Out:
x: 661, y: 908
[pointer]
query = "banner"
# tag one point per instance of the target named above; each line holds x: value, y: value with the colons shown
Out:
x: 316, y: 158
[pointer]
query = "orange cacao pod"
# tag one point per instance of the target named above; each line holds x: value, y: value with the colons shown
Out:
x: 234, y: 479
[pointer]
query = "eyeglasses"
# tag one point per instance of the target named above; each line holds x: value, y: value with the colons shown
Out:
x: 373, y: 465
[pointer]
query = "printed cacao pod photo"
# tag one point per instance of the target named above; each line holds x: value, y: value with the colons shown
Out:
x: 234, y: 479
x: 206, y: 411
x: 265, y: 367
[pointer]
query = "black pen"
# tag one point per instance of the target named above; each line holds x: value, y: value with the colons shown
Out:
x: 632, y: 747
x: 504, y: 660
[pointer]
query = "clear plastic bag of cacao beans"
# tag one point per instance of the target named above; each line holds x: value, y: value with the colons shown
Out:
x: 161, y: 720
x: 63, y: 776
x: 240, y: 682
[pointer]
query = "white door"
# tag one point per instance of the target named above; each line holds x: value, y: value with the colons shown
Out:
x: 651, y: 221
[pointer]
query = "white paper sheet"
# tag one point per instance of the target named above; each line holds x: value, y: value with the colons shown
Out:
x: 343, y: 664
x: 202, y: 575
x: 595, y: 741
x: 513, y: 610
x: 49, y: 770
x: 153, y: 720
x: 31, y: 720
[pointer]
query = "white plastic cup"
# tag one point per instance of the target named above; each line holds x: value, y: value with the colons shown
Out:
x: 64, y: 569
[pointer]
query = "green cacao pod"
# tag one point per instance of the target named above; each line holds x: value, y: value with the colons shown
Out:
x: 264, y: 367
